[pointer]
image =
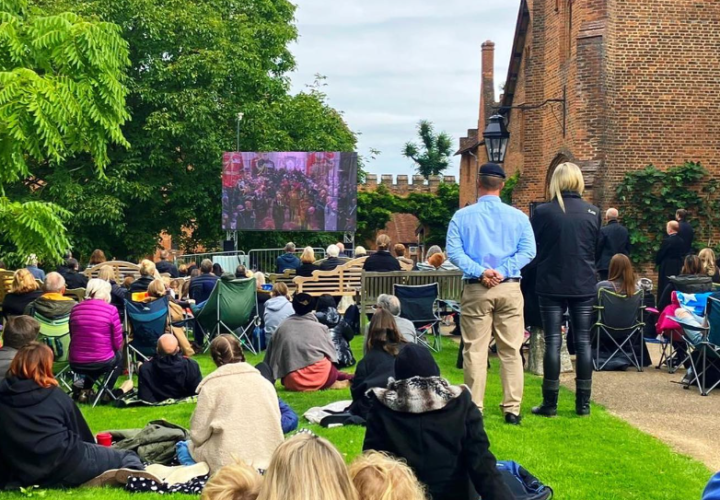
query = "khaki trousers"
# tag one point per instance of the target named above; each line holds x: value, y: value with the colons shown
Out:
x: 498, y: 310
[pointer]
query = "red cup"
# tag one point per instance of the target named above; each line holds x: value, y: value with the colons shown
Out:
x: 104, y: 439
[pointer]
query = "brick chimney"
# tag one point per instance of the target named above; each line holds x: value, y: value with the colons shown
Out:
x: 487, y: 85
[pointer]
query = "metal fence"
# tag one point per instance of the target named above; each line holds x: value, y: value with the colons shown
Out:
x: 264, y: 259
x: 227, y: 260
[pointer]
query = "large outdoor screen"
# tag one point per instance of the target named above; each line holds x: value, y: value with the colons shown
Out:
x: 289, y: 191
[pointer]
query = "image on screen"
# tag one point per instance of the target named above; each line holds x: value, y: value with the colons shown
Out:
x: 289, y: 191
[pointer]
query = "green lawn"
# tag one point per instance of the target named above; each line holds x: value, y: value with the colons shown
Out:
x: 596, y: 458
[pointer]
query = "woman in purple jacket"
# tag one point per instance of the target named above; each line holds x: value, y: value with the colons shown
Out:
x: 96, y: 336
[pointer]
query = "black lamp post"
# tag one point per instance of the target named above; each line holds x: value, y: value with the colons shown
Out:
x: 496, y: 139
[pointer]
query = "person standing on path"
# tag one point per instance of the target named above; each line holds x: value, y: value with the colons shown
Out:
x: 491, y: 242
x: 685, y: 231
x: 567, y: 231
x: 614, y: 239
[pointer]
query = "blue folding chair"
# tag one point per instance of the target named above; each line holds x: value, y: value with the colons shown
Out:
x: 705, y: 342
x: 419, y: 304
x: 147, y: 321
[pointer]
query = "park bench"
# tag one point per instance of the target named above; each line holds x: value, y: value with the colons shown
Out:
x: 286, y: 277
x: 121, y: 268
x: 373, y: 284
x: 342, y: 281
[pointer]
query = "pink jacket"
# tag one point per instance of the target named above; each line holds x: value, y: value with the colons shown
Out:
x: 95, y: 332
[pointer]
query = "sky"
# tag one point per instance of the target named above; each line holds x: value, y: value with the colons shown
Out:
x: 391, y: 63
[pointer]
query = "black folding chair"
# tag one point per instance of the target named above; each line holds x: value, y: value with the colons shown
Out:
x: 419, y: 304
x: 619, y: 328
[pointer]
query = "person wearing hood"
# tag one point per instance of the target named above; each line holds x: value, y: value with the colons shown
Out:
x: 237, y: 414
x: 340, y: 332
x: 44, y: 439
x: 168, y: 375
x: 301, y: 353
x: 436, y: 428
x: 52, y: 304
x: 277, y: 309
x: 288, y: 260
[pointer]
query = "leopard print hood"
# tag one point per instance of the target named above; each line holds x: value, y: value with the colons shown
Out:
x: 417, y: 394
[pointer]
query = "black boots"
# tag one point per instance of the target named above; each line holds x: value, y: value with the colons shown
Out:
x: 582, y: 397
x: 548, y: 408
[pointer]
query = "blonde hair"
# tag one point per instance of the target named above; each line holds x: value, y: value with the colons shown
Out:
x: 259, y: 279
x: 383, y: 242
x: 308, y: 256
x: 360, y: 251
x: 147, y: 268
x: 307, y: 467
x: 237, y: 481
x: 707, y: 259
x: 566, y: 177
x: 106, y: 273
x: 98, y: 289
x: 378, y: 476
x: 23, y: 282
x: 157, y: 288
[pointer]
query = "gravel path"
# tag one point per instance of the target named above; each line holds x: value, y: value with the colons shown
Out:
x: 652, y: 402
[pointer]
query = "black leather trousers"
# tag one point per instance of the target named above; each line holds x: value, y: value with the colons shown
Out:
x: 581, y: 318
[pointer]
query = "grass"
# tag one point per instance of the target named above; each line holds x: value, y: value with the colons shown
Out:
x: 595, y: 458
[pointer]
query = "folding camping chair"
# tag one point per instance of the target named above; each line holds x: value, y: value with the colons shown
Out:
x: 147, y: 321
x: 102, y: 381
x: 620, y: 321
x: 231, y: 308
x: 55, y: 333
x: 419, y: 304
x: 704, y: 340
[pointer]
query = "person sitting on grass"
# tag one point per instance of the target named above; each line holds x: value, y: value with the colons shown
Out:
x: 237, y: 414
x: 327, y: 314
x: 382, y: 345
x: 169, y: 374
x: 24, y: 289
x: 436, y: 428
x: 236, y: 481
x: 391, y: 304
x: 307, y: 467
x: 277, y: 309
x: 157, y: 290
x: 301, y: 353
x: 52, y: 304
x: 44, y: 439
x: 96, y: 338
x: 379, y: 476
x: 18, y: 332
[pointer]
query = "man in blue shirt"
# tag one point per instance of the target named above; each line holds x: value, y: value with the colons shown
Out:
x: 491, y: 242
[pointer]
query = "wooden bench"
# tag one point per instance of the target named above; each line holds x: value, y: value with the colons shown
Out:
x: 6, y: 279
x: 374, y: 284
x: 287, y: 277
x: 342, y: 281
x: 121, y: 268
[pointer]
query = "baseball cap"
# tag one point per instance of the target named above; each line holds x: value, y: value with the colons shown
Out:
x: 492, y: 170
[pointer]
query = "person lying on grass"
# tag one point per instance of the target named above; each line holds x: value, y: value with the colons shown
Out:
x: 436, y: 428
x: 302, y: 354
x: 44, y: 439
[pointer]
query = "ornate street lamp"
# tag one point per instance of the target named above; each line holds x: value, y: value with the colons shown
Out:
x: 496, y: 139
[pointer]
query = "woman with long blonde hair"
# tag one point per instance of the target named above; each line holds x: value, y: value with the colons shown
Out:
x: 23, y: 291
x: 709, y: 264
x: 307, y: 266
x: 378, y: 476
x: 566, y: 232
x: 307, y: 467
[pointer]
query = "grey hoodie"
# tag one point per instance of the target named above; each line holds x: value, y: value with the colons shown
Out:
x: 276, y: 310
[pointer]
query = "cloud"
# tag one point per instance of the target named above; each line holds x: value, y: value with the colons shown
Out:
x: 390, y: 64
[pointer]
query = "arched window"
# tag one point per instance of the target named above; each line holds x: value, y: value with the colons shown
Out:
x: 560, y: 158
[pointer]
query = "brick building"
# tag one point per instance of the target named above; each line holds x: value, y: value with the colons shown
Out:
x: 641, y: 83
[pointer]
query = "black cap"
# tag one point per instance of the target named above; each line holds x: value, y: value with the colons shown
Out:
x: 415, y: 361
x: 302, y: 304
x: 492, y: 170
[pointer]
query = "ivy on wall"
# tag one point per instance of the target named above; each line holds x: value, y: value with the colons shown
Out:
x: 650, y: 198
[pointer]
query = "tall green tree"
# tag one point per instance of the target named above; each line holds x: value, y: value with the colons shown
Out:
x: 61, y: 95
x: 194, y: 66
x: 432, y: 155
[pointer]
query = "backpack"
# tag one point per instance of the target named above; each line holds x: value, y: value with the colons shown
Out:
x: 522, y: 484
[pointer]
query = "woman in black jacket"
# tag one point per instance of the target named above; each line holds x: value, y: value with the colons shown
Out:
x: 44, y: 439
x: 566, y: 231
x: 342, y: 334
x: 382, y: 260
x: 24, y: 289
x: 436, y: 428
x: 384, y: 342
x: 308, y: 266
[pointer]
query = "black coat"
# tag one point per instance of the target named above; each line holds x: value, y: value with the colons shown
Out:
x: 74, y: 279
x: 687, y: 234
x: 330, y: 263
x: 447, y: 448
x: 168, y: 377
x: 341, y: 334
x: 306, y: 270
x: 614, y: 239
x: 201, y: 287
x: 165, y: 266
x: 41, y: 434
x: 566, y: 246
x: 14, y: 304
x: 374, y: 370
x: 140, y: 285
x: 382, y: 261
x: 669, y: 260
